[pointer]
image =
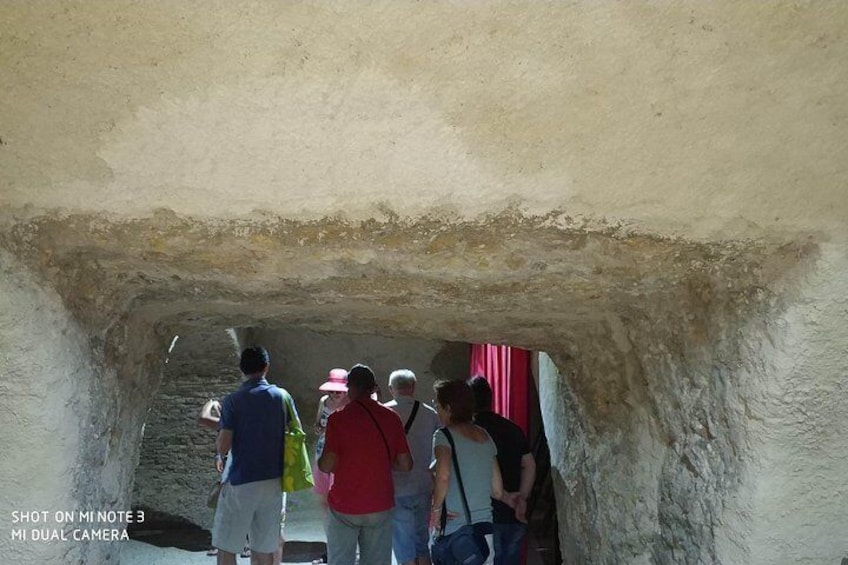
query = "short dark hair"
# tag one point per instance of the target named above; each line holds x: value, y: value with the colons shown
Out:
x: 361, y: 378
x: 456, y: 395
x: 482, y: 393
x: 254, y: 360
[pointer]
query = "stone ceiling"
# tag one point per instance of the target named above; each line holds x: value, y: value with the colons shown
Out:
x: 468, y: 168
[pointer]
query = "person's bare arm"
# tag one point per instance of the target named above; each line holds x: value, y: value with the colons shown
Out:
x: 497, y: 481
x: 210, y: 415
x: 327, y: 461
x: 528, y: 474
x: 224, y: 442
x: 441, y: 480
x: 528, y: 479
x: 403, y: 462
x: 316, y: 427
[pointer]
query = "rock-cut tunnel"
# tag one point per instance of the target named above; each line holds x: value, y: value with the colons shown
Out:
x: 654, y: 194
x: 658, y: 348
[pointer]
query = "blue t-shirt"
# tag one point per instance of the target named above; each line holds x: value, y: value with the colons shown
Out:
x: 255, y: 414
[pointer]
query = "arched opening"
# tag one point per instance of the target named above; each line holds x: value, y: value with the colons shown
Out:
x: 655, y: 343
x: 175, y: 468
x: 653, y: 194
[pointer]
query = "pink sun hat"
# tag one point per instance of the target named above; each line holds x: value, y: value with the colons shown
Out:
x: 336, y: 382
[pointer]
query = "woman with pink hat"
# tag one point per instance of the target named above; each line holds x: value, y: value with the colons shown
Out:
x: 335, y: 399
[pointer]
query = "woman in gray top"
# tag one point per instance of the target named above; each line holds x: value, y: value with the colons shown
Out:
x: 476, y: 455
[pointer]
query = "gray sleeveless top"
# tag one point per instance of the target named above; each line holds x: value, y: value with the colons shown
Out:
x: 475, y: 464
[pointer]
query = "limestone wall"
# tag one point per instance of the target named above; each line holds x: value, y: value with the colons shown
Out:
x: 73, y: 408
x: 651, y: 455
x: 44, y: 409
x: 176, y: 466
x: 719, y: 438
x: 798, y: 413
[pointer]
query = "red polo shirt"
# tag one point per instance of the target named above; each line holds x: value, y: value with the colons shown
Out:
x: 362, y: 477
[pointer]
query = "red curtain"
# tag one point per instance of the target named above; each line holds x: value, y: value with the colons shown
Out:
x: 508, y: 371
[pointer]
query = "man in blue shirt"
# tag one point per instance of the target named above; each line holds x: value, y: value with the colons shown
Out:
x: 252, y: 427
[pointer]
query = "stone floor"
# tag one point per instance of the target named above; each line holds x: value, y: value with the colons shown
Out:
x: 140, y: 553
x: 304, y: 535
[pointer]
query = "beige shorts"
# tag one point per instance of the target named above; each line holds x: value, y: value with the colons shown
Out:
x: 252, y: 510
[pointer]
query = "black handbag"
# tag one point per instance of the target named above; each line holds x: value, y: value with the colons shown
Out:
x: 467, y: 545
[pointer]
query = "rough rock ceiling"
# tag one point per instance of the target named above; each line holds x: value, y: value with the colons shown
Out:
x: 500, y: 171
x: 511, y: 278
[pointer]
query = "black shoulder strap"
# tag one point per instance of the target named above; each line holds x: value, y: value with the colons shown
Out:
x: 379, y: 429
x: 411, y: 417
x: 448, y: 435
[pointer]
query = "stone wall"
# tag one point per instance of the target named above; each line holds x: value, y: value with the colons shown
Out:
x: 44, y: 409
x: 650, y: 453
x: 176, y: 468
x: 709, y: 438
x: 73, y: 402
x: 798, y: 415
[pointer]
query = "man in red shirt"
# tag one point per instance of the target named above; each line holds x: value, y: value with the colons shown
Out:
x: 364, y: 442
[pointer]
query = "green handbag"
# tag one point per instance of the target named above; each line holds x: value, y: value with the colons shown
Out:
x: 297, y: 472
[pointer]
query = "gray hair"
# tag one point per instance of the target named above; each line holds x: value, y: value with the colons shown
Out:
x: 402, y: 379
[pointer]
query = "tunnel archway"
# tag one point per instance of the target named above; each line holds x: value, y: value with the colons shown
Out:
x: 175, y: 471
x: 652, y: 194
x: 650, y: 336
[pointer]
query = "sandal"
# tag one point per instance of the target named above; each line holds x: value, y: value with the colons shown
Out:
x: 212, y: 552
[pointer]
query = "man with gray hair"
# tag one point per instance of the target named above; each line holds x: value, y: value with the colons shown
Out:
x: 413, y: 490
